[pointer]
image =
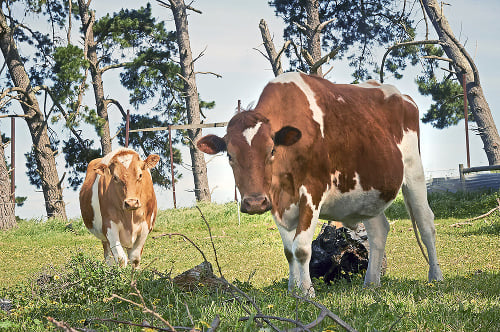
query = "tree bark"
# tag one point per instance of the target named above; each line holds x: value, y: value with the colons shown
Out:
x: 37, y: 125
x: 199, y: 166
x: 463, y: 65
x: 96, y: 73
x: 7, y: 215
x: 313, y: 33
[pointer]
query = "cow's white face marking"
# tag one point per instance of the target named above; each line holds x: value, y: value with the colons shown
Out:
x: 317, y: 113
x: 125, y: 159
x: 250, y: 133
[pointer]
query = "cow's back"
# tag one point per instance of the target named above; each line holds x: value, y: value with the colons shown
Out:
x: 350, y: 134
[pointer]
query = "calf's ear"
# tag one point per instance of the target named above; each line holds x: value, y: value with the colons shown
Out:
x: 287, y: 136
x: 211, y: 144
x: 99, y: 169
x: 151, y: 161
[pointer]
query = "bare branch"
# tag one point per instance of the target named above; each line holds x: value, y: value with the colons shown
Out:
x: 113, y: 66
x: 433, y: 57
x: 307, y: 56
x: 326, y: 58
x: 416, y: 42
x: 272, y: 56
x: 321, y: 26
x: 208, y: 73
x: 300, y: 26
x: 117, y: 104
x: 164, y: 4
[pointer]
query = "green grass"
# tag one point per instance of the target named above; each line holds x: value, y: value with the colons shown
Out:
x: 48, y: 269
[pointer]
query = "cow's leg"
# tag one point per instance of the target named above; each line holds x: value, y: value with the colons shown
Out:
x: 134, y: 253
x: 108, y: 256
x: 377, y: 229
x: 113, y: 236
x: 415, y: 196
x: 287, y: 237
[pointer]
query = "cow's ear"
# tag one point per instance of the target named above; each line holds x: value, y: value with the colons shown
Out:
x: 287, y: 136
x: 211, y: 144
x: 99, y: 169
x: 151, y: 161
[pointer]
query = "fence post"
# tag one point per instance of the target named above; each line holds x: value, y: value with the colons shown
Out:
x: 462, y: 176
x: 466, y: 116
x: 13, y: 158
x: 172, y: 164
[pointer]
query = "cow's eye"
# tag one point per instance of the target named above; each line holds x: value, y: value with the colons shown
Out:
x: 229, y: 157
x: 140, y: 177
x: 273, y: 151
x: 116, y: 178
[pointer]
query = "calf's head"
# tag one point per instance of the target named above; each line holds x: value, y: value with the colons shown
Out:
x: 127, y: 174
x: 251, y: 145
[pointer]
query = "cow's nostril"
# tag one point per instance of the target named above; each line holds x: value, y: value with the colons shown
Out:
x: 255, y: 204
x: 131, y: 204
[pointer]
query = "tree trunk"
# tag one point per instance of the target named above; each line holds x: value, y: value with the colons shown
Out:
x: 7, y: 216
x: 91, y: 48
x: 37, y: 125
x: 199, y: 167
x: 313, y: 33
x: 463, y: 65
x: 272, y: 55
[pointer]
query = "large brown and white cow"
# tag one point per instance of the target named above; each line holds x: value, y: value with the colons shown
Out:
x: 118, y: 204
x: 313, y: 149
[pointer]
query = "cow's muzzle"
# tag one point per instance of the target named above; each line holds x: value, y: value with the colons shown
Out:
x: 255, y: 204
x: 131, y: 204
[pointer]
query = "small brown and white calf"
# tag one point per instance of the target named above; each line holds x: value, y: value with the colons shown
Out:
x: 313, y: 149
x: 118, y: 204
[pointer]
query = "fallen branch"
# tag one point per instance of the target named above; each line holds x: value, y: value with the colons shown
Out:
x: 61, y: 325
x: 325, y: 312
x: 487, y: 213
x: 143, y: 307
x: 143, y: 325
x: 282, y: 319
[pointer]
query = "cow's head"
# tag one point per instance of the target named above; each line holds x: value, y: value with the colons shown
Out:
x: 126, y: 172
x: 251, y: 144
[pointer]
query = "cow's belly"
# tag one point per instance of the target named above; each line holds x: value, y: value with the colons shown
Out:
x: 352, y: 207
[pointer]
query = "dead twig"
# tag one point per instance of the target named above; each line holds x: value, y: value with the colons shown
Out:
x: 325, y: 312
x: 185, y: 237
x: 143, y: 307
x: 487, y: 213
x: 176, y: 328
x: 61, y: 325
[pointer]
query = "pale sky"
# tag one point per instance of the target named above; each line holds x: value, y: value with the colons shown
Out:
x: 228, y: 32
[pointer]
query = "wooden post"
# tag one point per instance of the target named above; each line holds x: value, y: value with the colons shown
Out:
x: 13, y: 158
x: 172, y: 164
x: 127, y: 128
x: 466, y: 116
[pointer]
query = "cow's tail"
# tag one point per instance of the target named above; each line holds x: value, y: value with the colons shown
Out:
x: 417, y: 235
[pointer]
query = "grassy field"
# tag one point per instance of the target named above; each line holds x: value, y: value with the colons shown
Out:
x: 48, y: 269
